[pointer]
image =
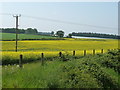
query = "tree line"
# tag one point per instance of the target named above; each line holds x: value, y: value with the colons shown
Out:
x: 59, y: 33
x: 85, y: 34
x: 20, y: 31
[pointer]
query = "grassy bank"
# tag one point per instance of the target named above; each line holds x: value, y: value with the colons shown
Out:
x: 99, y: 71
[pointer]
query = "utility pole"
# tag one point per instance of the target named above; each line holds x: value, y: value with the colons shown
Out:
x: 16, y: 16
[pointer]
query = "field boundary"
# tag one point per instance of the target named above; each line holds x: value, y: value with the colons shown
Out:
x: 61, y: 55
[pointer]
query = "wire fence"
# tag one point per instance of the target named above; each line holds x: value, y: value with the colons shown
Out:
x: 61, y: 55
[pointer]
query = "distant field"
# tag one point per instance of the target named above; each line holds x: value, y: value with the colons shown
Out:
x: 12, y: 36
x: 60, y: 45
x: 32, y: 49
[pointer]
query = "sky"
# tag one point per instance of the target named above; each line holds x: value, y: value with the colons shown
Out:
x: 99, y: 17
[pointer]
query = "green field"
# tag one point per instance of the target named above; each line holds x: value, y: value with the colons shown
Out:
x: 12, y: 36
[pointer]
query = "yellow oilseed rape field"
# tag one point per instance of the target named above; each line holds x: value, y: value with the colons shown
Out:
x: 59, y: 45
x: 31, y: 50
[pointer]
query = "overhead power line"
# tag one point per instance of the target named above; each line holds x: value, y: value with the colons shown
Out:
x: 6, y: 14
x: 66, y: 22
x: 60, y: 21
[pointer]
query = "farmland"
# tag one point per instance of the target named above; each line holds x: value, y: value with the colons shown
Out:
x: 71, y: 45
x: 59, y: 45
x: 12, y: 36
x: 31, y: 50
x: 68, y: 71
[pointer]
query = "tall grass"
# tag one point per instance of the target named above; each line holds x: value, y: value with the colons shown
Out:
x: 85, y: 72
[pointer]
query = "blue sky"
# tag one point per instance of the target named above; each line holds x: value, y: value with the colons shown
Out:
x: 103, y: 14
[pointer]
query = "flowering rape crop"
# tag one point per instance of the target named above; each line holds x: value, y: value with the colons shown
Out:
x: 31, y: 50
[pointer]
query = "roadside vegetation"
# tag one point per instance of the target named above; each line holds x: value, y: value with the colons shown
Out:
x: 98, y: 71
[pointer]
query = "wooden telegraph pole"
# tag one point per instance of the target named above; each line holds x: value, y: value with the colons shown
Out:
x: 16, y: 16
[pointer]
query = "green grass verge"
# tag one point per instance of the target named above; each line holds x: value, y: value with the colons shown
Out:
x: 77, y: 72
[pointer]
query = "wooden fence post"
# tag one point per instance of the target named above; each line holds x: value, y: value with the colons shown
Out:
x: 73, y: 53
x: 101, y: 50
x: 20, y: 61
x: 42, y: 58
x: 93, y: 51
x: 84, y: 52
x: 60, y: 54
